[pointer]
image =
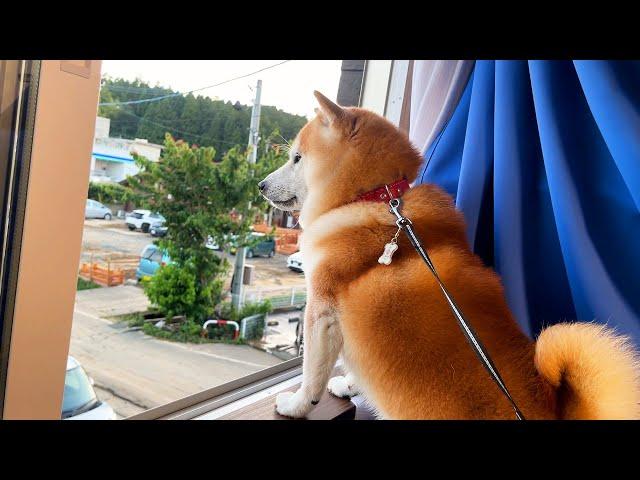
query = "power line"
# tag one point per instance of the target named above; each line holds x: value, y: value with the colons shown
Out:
x: 179, y: 131
x: 130, y: 89
x: 162, y: 97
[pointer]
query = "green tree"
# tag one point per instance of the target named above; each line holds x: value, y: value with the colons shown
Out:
x: 201, y: 198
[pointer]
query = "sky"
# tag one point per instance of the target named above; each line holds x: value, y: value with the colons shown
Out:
x: 288, y: 87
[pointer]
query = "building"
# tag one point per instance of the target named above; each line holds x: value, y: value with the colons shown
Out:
x: 112, y: 159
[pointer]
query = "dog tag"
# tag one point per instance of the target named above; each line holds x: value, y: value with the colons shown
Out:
x: 389, y: 250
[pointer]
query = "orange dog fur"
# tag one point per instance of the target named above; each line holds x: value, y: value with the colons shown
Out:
x: 392, y: 325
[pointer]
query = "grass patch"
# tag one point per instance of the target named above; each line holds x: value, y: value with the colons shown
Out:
x: 86, y: 284
x: 189, y: 332
x: 184, y: 336
x: 131, y: 319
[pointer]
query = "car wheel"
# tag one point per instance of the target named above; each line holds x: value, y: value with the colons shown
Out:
x: 249, y: 253
x: 131, y: 227
x: 107, y: 216
x: 145, y: 227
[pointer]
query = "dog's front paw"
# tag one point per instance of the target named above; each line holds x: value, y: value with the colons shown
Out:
x: 339, y: 387
x: 292, y: 405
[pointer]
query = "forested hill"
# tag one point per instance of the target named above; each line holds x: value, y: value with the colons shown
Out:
x: 195, y: 119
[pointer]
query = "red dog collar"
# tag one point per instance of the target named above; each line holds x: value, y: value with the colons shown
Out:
x: 381, y: 194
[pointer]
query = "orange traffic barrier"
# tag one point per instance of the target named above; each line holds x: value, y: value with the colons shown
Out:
x: 286, y: 238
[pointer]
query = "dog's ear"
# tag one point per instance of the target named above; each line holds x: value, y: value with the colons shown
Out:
x: 328, y: 112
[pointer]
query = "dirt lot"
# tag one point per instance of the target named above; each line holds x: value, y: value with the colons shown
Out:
x: 112, y: 236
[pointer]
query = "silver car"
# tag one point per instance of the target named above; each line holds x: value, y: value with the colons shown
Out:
x: 80, y: 401
x: 95, y: 209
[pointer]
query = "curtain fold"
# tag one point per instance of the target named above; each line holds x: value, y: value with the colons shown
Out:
x: 543, y: 159
x: 436, y: 86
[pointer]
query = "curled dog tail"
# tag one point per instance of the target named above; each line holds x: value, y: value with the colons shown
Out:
x: 594, y: 371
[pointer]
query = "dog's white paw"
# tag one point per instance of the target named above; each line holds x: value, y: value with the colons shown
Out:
x: 339, y: 387
x: 292, y: 405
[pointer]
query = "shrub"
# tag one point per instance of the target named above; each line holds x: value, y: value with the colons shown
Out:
x: 173, y: 291
x: 226, y: 311
x: 111, y: 193
x: 189, y: 331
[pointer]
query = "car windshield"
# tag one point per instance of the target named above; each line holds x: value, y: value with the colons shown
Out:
x: 78, y: 393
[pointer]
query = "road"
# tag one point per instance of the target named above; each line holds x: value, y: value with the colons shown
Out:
x: 134, y: 372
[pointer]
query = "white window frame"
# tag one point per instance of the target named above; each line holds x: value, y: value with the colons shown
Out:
x: 383, y: 87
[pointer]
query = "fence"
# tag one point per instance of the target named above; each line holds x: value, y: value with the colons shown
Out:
x: 252, y: 328
x: 109, y: 269
x: 280, y: 297
x: 286, y: 238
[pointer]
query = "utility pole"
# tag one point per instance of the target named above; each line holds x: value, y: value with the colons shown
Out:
x: 252, y: 155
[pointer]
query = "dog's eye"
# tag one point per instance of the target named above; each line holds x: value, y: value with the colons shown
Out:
x: 296, y: 158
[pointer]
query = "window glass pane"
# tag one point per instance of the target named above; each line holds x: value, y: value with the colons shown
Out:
x: 137, y: 360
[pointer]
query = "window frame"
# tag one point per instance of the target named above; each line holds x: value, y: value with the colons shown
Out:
x: 14, y: 211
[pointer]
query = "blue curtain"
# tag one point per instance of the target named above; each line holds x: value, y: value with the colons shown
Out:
x: 543, y: 159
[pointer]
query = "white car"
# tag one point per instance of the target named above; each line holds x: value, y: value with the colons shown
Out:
x: 94, y: 209
x: 294, y: 262
x: 144, y: 220
x: 80, y: 401
x: 211, y: 244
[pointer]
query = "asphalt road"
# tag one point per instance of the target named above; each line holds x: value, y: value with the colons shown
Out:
x: 134, y: 372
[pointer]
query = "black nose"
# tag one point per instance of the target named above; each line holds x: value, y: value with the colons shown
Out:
x: 262, y: 185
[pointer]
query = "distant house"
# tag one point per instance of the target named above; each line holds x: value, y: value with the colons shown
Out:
x: 111, y: 158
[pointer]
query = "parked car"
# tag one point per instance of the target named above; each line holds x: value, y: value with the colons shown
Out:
x: 211, y: 244
x: 144, y: 220
x: 94, y: 209
x: 80, y: 401
x: 151, y: 259
x: 158, y: 230
x: 294, y: 262
x: 266, y: 248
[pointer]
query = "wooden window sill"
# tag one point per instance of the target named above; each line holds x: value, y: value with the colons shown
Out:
x: 329, y: 408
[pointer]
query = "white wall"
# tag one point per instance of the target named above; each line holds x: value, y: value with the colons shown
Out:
x: 151, y: 151
x: 102, y: 127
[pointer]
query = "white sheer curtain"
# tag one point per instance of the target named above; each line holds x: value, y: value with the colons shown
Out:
x: 436, y: 87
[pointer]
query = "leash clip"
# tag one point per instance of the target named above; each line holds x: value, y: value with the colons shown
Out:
x: 395, y: 204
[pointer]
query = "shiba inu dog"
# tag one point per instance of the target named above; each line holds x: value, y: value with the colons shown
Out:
x: 389, y: 320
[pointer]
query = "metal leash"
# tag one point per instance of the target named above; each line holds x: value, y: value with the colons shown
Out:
x: 404, y: 224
